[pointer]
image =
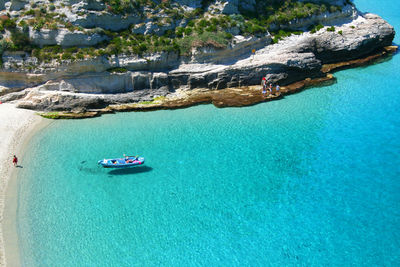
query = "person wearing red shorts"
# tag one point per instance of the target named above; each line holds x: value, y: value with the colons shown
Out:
x: 15, y: 160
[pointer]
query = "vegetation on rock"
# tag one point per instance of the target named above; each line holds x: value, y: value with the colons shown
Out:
x: 165, y: 26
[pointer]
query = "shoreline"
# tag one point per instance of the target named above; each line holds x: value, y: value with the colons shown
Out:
x: 228, y: 97
x: 17, y: 128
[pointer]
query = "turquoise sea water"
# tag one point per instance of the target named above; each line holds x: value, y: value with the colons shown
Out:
x: 311, y: 180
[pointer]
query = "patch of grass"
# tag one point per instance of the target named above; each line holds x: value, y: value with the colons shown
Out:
x: 51, y: 115
x: 65, y: 115
x: 146, y: 102
x: 159, y: 98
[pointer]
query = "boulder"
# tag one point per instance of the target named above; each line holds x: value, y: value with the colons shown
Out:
x: 58, y: 101
x: 370, y: 33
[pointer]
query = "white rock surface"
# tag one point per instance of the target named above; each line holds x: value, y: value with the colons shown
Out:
x: 65, y: 38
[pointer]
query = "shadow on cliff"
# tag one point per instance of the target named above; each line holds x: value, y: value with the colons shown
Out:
x: 127, y: 171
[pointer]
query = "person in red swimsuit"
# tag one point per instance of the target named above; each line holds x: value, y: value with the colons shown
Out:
x: 15, y: 160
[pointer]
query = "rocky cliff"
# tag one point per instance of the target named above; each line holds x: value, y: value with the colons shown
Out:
x: 102, y: 80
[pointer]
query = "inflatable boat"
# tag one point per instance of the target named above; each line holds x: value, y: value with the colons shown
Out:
x: 125, y: 162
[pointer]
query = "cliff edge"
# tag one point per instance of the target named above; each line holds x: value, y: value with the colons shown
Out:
x: 105, y: 56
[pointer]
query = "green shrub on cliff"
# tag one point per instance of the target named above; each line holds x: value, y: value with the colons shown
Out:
x: 331, y: 29
x: 39, y: 24
x: 253, y: 28
x: 66, y: 56
x: 29, y: 12
x: 201, y: 30
x: 4, y: 45
x: 282, y: 12
x: 217, y: 40
x: 117, y: 70
x: 282, y: 34
x: 316, y: 28
x: 8, y: 23
x: 20, y: 40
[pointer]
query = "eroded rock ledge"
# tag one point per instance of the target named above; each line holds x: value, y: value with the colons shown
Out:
x: 228, y: 77
x: 228, y: 97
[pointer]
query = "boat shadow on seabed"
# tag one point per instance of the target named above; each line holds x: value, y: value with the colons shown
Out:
x: 133, y: 170
x: 122, y: 171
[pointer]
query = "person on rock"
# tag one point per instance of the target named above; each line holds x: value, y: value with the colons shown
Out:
x: 264, y: 85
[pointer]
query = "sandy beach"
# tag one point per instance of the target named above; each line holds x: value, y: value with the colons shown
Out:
x: 16, y: 128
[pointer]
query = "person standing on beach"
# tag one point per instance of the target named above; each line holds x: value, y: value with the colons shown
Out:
x: 15, y: 161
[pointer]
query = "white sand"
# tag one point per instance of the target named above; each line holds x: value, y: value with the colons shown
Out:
x: 16, y: 126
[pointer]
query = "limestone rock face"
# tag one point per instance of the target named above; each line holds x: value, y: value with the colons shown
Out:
x: 55, y: 101
x: 372, y: 32
x: 189, y: 3
x: 230, y: 7
x: 153, y: 62
x: 2, y: 4
x: 89, y: 5
x: 106, y: 21
x: 16, y: 81
x: 332, y: 2
x: 18, y: 4
x: 241, y: 47
x: 249, y: 5
x: 233, y: 6
x: 87, y: 84
x: 60, y: 101
x: 347, y: 14
x: 64, y: 38
x: 97, y: 83
x: 149, y: 27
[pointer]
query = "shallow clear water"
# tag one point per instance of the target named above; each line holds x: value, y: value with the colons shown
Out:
x: 310, y: 180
